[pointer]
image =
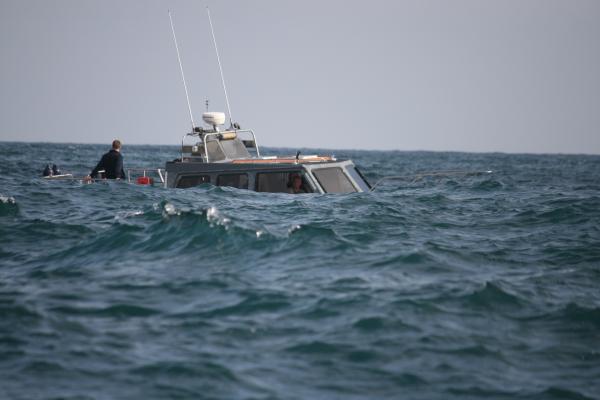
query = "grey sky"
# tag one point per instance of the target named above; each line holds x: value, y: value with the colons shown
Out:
x: 514, y: 76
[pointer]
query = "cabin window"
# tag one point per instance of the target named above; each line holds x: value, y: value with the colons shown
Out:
x: 239, y: 181
x: 192, y: 180
x: 333, y: 180
x: 279, y: 182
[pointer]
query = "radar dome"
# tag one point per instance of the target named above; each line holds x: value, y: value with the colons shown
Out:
x: 214, y: 118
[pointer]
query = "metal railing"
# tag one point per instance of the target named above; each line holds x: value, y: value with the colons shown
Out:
x: 158, y: 171
x: 250, y: 131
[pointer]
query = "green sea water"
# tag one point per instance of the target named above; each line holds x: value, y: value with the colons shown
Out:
x: 458, y: 287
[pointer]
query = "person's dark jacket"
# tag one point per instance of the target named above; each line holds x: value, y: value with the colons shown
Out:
x: 112, y: 164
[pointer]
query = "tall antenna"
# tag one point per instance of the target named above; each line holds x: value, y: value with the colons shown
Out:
x: 220, y: 68
x: 182, y: 75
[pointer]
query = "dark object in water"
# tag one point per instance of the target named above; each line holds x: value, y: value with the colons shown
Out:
x: 47, y: 171
x: 55, y: 173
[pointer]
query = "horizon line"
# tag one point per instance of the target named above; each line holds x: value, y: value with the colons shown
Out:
x: 335, y: 149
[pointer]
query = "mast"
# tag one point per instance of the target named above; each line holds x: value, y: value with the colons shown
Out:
x: 212, y: 31
x: 187, y: 97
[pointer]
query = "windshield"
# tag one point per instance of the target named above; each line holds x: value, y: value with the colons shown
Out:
x: 333, y: 180
x: 234, y: 149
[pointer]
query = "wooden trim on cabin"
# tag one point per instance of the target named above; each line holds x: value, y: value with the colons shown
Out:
x: 283, y: 160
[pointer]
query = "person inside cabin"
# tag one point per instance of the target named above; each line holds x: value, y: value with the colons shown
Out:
x: 111, y: 163
x: 296, y: 185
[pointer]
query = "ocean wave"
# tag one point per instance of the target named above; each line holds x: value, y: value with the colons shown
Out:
x: 13, y: 342
x: 370, y: 324
x: 112, y: 311
x: 43, y: 367
x: 14, y: 312
x: 488, y: 185
x: 317, y: 347
x: 571, y: 316
x: 563, y: 211
x: 491, y: 296
x: 8, y: 206
x: 411, y: 257
x: 374, y: 324
x: 250, y: 305
x: 557, y: 393
x: 190, y: 369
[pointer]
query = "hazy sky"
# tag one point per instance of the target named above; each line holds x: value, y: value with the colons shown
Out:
x: 509, y: 75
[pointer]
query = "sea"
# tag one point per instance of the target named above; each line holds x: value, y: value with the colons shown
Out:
x: 456, y: 286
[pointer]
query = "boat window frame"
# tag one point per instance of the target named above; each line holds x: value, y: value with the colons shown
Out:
x: 186, y: 176
x: 305, y: 180
x: 246, y: 174
x: 357, y: 177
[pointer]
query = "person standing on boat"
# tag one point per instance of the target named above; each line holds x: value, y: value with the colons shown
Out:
x: 111, y: 163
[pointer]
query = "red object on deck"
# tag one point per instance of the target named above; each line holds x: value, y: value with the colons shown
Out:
x: 145, y: 180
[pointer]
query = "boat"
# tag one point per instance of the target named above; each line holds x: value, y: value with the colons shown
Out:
x: 231, y: 157
x: 59, y: 176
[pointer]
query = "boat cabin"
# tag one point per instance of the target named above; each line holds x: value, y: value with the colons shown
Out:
x: 232, y: 158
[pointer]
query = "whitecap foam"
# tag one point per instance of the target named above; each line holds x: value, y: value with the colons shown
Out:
x: 170, y: 209
x: 293, y: 229
x: 7, y: 199
x: 121, y: 215
x: 212, y: 214
x: 214, y: 217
